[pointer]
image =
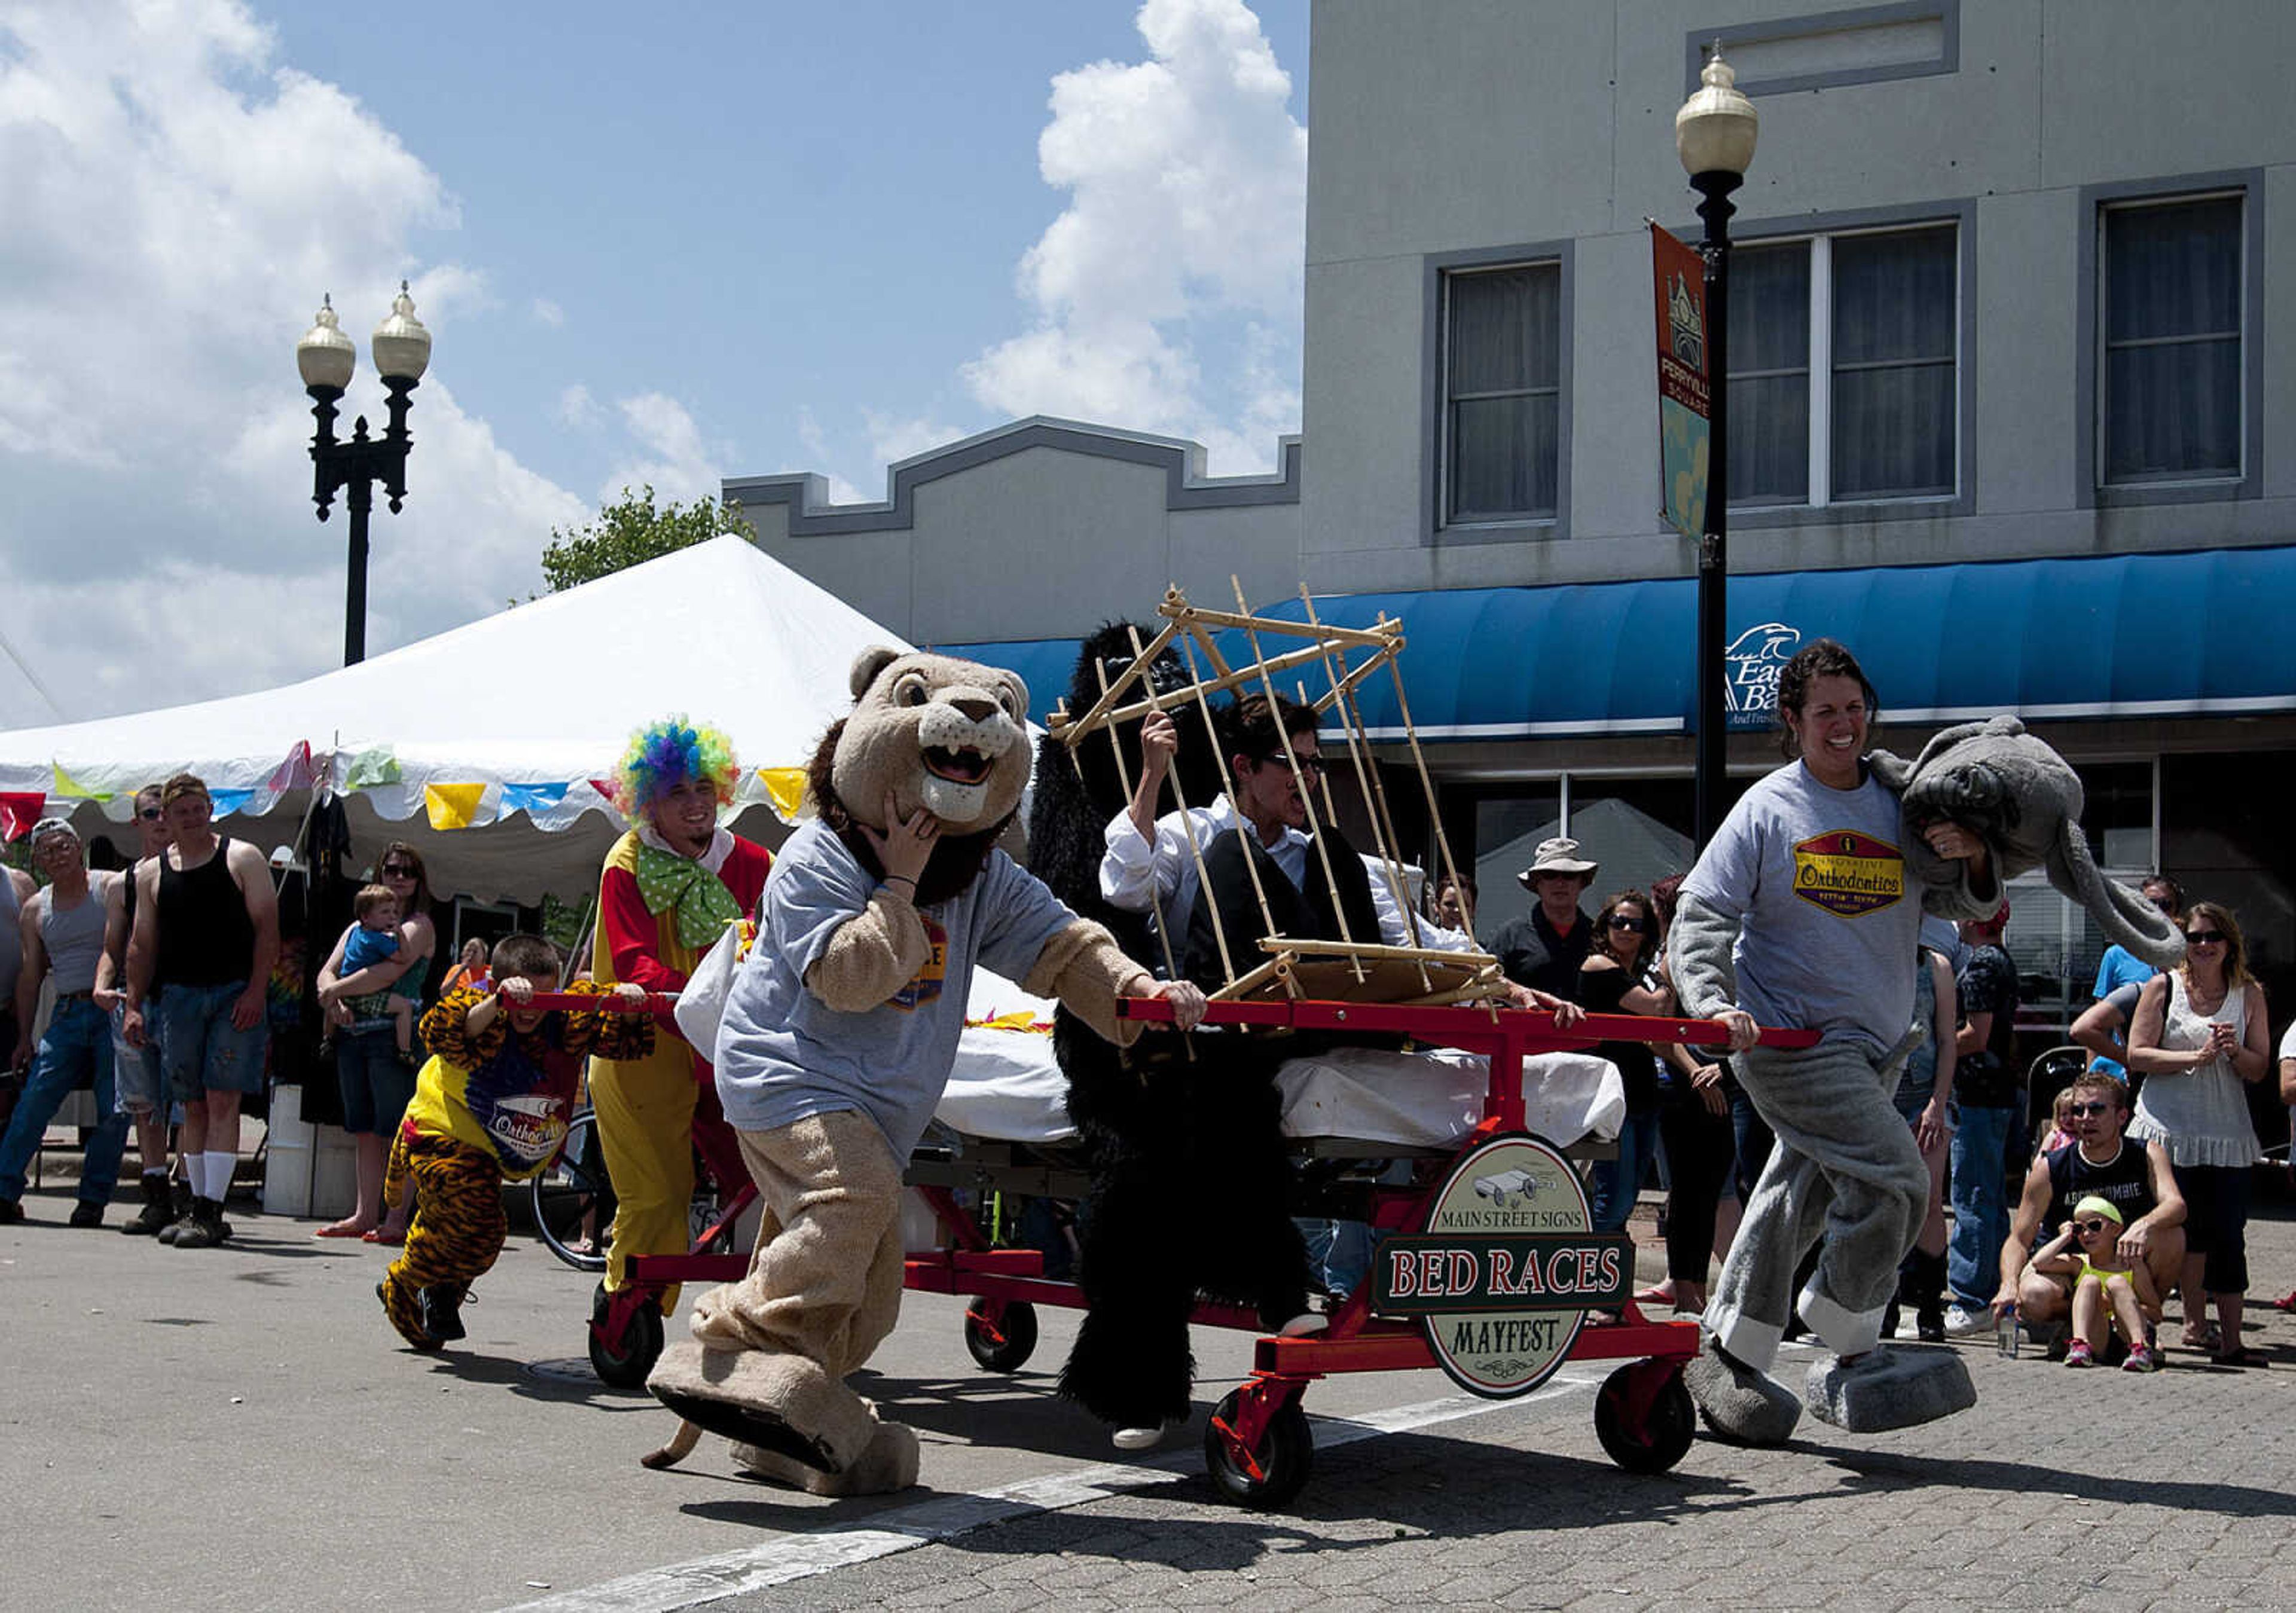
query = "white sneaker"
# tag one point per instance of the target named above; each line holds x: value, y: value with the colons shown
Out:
x: 1303, y: 1325
x: 1963, y: 1323
x: 1138, y: 1439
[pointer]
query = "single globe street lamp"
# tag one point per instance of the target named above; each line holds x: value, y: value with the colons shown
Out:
x: 1714, y: 136
x: 325, y: 357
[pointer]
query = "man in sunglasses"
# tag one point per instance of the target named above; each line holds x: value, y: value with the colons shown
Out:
x: 1547, y: 948
x: 2136, y: 1180
x: 1272, y: 751
x: 137, y: 1079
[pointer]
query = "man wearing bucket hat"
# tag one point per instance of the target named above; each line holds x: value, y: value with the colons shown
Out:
x: 1547, y: 949
x: 61, y: 934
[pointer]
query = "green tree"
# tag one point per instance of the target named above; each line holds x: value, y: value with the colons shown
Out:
x: 630, y: 531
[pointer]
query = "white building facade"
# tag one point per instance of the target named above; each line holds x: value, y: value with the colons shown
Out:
x: 2014, y: 319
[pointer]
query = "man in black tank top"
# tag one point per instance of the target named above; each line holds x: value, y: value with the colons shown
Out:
x: 2136, y: 1180
x: 207, y: 924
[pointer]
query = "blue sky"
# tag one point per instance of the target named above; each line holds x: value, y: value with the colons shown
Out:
x: 669, y: 244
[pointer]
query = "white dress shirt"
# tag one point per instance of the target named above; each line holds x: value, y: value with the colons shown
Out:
x: 1139, y: 877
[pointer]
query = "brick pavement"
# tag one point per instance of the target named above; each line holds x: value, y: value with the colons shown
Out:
x: 2109, y: 1490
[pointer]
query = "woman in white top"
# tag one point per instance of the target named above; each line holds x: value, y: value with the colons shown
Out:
x: 2198, y: 1038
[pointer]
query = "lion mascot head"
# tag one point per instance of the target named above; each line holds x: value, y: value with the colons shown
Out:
x: 926, y: 731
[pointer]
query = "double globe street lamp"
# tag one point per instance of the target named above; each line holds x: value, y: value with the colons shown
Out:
x: 326, y: 358
x: 1714, y: 136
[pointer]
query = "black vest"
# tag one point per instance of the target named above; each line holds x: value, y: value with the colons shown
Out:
x: 1308, y: 911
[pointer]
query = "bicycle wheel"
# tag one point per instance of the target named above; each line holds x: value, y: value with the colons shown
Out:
x: 565, y: 1195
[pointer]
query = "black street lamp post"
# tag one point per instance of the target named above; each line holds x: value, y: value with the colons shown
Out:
x: 325, y: 357
x: 1714, y: 136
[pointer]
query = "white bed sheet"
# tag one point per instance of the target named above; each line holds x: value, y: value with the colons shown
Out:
x: 1006, y: 1086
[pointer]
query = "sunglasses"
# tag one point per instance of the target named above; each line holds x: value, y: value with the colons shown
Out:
x: 1306, y: 763
x: 2095, y: 1223
x: 1620, y: 921
x: 397, y: 871
x: 150, y: 814
x: 2089, y: 1108
x: 2205, y: 938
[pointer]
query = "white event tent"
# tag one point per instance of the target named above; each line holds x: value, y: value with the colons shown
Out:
x: 480, y: 746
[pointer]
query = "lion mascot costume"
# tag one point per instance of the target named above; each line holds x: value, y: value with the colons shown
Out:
x: 838, y: 1036
x: 1191, y: 1185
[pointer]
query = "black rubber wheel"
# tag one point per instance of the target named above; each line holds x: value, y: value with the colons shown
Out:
x: 1018, y: 1326
x: 1285, y: 1455
x: 562, y: 1196
x: 626, y: 1366
x: 1664, y: 1437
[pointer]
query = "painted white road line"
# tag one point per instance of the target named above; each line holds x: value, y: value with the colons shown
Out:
x: 779, y: 1561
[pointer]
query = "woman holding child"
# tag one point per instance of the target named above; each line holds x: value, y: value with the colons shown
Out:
x: 377, y: 1082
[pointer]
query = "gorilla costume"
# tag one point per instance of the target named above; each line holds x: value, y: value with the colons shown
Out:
x: 1191, y: 1186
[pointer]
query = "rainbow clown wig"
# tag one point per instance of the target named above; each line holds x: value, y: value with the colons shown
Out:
x: 663, y: 754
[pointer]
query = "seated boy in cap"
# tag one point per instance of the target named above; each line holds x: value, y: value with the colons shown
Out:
x: 2104, y: 1280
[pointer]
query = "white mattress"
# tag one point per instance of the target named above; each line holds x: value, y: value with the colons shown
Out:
x: 1006, y: 1086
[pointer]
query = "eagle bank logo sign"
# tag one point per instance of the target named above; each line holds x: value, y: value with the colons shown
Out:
x: 1755, y: 658
x: 1505, y: 1269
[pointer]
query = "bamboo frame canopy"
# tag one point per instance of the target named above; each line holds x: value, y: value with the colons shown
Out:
x: 1338, y: 661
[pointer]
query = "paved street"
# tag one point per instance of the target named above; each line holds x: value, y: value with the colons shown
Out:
x: 237, y: 1428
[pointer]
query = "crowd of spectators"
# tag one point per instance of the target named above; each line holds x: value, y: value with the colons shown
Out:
x: 2156, y: 1126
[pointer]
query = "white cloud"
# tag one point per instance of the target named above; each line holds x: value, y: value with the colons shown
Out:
x: 578, y: 410
x: 892, y: 439
x: 674, y: 459
x: 1168, y: 293
x: 177, y: 200
x: 548, y: 312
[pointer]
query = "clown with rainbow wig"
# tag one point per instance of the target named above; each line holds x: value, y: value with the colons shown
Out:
x: 670, y: 889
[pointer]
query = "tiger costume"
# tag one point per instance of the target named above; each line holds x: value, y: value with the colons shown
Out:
x: 488, y: 1108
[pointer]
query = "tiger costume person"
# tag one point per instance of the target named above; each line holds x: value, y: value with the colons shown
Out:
x: 490, y: 1105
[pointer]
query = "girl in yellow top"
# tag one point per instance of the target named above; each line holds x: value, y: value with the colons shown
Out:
x: 2088, y: 1251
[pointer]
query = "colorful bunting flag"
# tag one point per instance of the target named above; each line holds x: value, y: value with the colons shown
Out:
x: 296, y: 772
x: 369, y: 768
x: 532, y: 798
x: 452, y: 806
x: 785, y: 788
x: 72, y: 789
x: 225, y: 802
x: 19, y: 812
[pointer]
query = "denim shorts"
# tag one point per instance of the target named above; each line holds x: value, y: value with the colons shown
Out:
x: 139, y: 1077
x: 376, y: 1086
x: 201, y: 1050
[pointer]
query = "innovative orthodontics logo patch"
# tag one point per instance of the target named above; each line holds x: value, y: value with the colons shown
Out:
x: 1849, y: 874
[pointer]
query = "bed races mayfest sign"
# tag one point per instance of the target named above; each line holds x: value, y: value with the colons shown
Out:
x: 1504, y: 1272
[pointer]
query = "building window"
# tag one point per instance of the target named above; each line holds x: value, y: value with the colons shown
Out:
x: 2171, y: 405
x: 1877, y: 314
x: 1502, y: 393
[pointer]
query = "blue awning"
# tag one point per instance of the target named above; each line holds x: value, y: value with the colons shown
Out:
x: 2198, y: 633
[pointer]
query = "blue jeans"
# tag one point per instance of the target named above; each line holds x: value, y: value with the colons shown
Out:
x: 200, y: 1048
x: 78, y: 1046
x: 1980, y: 1203
x: 1619, y: 1182
x: 376, y: 1087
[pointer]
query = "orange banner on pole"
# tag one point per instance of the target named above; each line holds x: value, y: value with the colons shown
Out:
x: 1679, y: 280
